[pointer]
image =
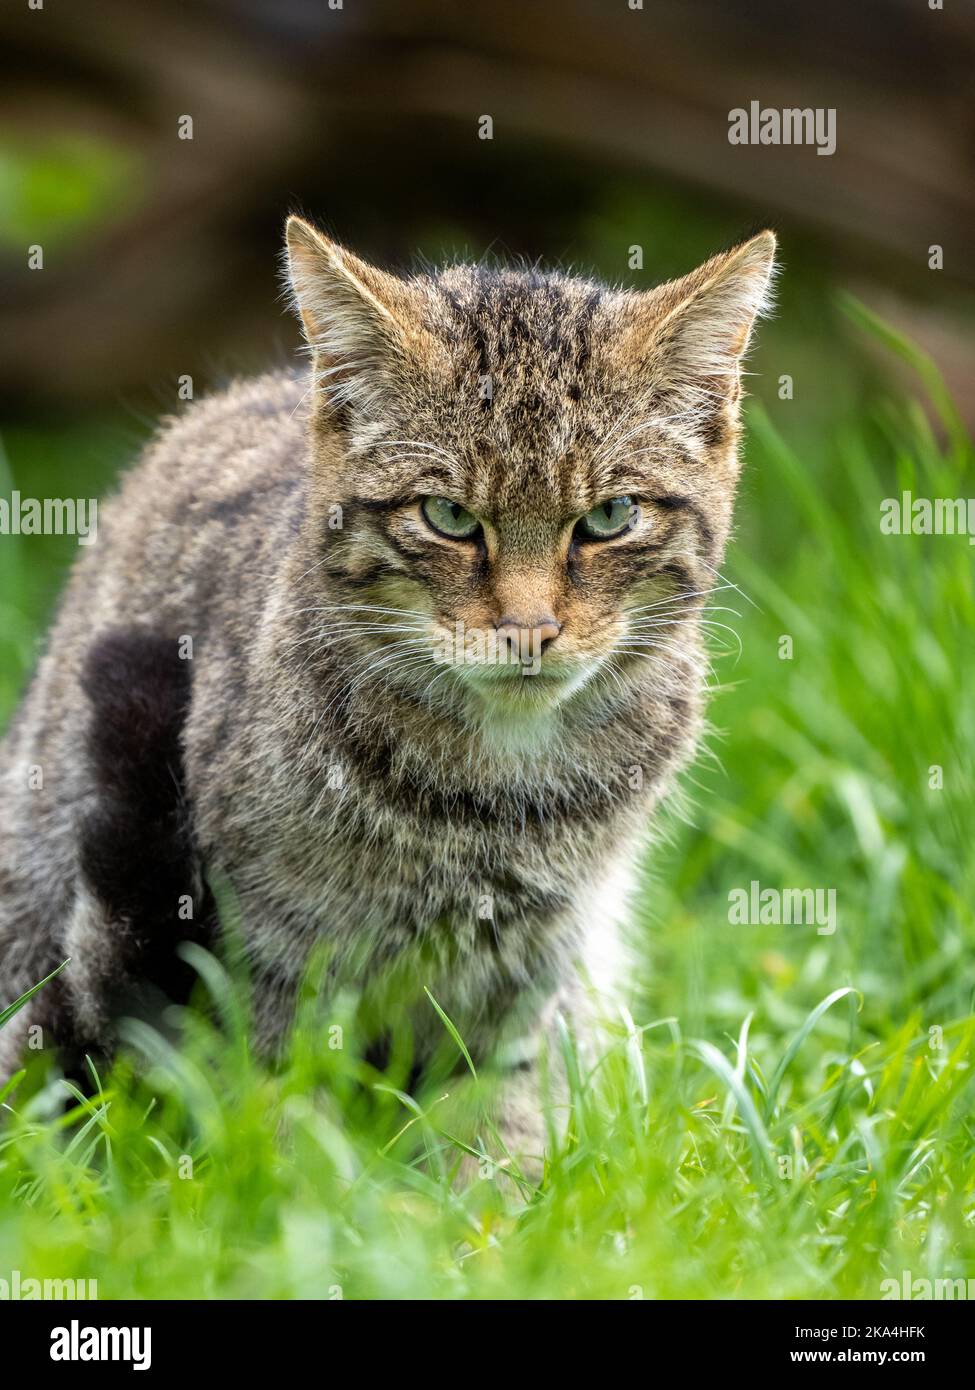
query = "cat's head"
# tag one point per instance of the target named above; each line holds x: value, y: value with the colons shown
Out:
x: 535, y: 472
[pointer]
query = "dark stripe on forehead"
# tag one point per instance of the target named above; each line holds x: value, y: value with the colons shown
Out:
x: 583, y: 328
x: 469, y: 317
x: 502, y: 314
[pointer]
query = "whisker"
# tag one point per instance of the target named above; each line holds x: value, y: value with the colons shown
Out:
x: 416, y: 444
x: 731, y: 585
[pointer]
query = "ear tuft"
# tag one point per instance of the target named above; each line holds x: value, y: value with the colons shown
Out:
x: 696, y: 330
x: 324, y: 275
x: 356, y: 318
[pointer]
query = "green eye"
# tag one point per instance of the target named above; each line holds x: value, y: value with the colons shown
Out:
x: 609, y: 519
x: 449, y: 518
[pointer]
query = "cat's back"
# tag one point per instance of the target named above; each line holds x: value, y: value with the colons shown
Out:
x: 201, y: 508
x: 184, y: 552
x: 193, y: 533
x: 216, y: 461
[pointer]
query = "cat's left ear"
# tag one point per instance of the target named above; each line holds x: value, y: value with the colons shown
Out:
x: 694, y: 332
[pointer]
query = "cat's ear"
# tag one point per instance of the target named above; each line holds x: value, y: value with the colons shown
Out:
x: 356, y: 318
x: 695, y: 331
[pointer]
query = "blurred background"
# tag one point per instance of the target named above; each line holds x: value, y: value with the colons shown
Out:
x: 160, y: 253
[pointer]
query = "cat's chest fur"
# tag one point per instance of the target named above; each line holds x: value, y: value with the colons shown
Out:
x: 394, y: 851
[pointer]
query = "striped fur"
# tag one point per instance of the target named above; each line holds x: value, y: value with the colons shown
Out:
x: 460, y: 827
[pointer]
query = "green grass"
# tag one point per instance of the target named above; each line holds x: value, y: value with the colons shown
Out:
x: 783, y: 1113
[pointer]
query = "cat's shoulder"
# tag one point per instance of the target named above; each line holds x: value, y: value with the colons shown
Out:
x: 253, y: 433
x: 246, y: 413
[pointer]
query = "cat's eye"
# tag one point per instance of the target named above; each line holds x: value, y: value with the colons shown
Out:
x: 609, y: 519
x: 449, y: 518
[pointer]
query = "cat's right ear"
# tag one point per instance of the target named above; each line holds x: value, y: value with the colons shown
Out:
x: 355, y: 317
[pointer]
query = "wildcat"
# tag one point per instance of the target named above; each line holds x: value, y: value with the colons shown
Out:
x: 244, y: 678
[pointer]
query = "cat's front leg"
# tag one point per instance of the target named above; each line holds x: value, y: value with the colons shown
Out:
x: 534, y: 1102
x: 525, y: 1104
x: 522, y: 1125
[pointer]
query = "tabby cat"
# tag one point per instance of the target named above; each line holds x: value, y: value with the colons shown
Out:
x: 405, y: 649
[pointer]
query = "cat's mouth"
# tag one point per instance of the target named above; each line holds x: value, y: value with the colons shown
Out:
x: 532, y: 687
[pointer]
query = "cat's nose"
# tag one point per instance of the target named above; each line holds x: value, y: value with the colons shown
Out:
x: 529, y: 636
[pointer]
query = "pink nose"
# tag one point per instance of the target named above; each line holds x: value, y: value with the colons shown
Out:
x: 529, y: 637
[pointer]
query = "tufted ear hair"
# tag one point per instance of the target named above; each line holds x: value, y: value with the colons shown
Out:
x: 357, y: 320
x: 693, y: 332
